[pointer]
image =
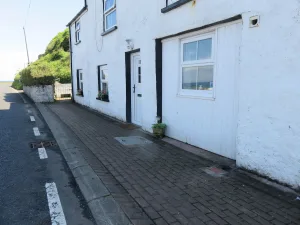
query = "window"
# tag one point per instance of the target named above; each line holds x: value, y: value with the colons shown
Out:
x: 103, y: 93
x: 197, y: 66
x: 169, y: 2
x: 110, y: 14
x: 77, y: 31
x: 79, y: 82
x: 173, y: 4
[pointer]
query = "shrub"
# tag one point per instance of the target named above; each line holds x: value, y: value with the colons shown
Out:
x: 17, y: 84
x: 53, y: 65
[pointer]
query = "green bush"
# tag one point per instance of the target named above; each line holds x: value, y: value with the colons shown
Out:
x: 53, y: 65
x: 17, y: 84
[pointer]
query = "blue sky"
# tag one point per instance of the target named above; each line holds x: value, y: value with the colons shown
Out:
x: 45, y: 20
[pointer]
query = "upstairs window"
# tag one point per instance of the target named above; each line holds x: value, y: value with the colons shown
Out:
x: 173, y: 4
x: 77, y: 31
x: 110, y: 14
x: 198, y: 66
x: 170, y: 2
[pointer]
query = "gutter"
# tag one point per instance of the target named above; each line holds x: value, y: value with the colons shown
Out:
x: 71, y: 63
x: 85, y: 8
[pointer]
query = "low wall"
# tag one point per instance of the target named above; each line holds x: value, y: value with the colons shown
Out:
x: 40, y: 93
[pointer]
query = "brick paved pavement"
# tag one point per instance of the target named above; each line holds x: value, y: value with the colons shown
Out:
x: 161, y: 184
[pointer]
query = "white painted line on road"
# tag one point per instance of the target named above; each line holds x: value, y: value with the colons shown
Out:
x: 56, y: 211
x: 36, y: 131
x: 32, y: 118
x: 43, y: 153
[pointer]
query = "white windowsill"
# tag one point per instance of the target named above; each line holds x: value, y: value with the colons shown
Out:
x: 203, y: 97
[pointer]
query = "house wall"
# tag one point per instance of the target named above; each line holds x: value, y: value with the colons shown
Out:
x: 206, y: 122
x: 267, y: 121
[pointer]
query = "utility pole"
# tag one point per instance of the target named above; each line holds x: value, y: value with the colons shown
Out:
x: 26, y: 46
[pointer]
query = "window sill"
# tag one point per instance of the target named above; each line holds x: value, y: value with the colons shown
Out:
x: 109, y: 30
x: 208, y: 97
x: 103, y: 100
x: 174, y: 5
x: 78, y: 42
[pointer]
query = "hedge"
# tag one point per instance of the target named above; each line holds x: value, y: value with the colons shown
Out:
x: 53, y: 65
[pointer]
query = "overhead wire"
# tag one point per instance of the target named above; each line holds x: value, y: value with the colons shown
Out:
x: 27, y: 14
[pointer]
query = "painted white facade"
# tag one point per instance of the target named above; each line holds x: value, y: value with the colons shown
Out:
x: 253, y: 116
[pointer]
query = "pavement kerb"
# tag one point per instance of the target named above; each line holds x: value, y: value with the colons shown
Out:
x: 105, y: 210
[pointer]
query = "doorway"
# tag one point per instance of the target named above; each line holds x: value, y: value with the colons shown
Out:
x: 136, y: 92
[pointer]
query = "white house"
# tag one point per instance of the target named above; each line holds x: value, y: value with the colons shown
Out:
x: 223, y: 75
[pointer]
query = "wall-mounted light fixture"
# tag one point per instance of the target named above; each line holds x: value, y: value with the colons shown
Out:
x: 130, y: 45
x: 254, y: 21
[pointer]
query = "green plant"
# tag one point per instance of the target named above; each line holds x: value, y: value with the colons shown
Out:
x: 159, y: 125
x: 102, y: 94
x: 53, y: 65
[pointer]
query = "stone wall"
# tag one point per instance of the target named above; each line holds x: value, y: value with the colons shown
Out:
x: 40, y: 93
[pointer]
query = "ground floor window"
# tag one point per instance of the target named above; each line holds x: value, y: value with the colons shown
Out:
x: 79, y: 82
x: 103, y: 93
x: 197, y: 65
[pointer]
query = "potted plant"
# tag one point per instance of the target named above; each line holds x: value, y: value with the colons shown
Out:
x: 159, y: 129
x: 80, y: 92
x: 103, y: 96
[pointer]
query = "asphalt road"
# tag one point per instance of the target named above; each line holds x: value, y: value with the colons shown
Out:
x: 25, y: 194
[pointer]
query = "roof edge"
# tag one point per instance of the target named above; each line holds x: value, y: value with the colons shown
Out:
x: 85, y: 8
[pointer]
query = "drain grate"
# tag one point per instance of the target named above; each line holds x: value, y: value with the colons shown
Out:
x: 133, y: 140
x: 42, y: 144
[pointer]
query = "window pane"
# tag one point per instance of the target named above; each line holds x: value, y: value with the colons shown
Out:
x: 204, y: 49
x: 172, y: 1
x: 77, y: 25
x: 205, y: 78
x: 105, y: 88
x: 80, y: 76
x: 189, y: 76
x: 104, y: 74
x: 109, y: 4
x: 190, y: 51
x: 111, y: 19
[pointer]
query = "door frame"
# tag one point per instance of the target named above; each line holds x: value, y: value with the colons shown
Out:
x: 134, y: 99
x: 128, y: 69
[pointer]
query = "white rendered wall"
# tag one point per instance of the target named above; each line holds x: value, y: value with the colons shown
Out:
x: 268, y: 125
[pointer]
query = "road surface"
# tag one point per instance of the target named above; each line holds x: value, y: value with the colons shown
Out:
x: 36, y: 185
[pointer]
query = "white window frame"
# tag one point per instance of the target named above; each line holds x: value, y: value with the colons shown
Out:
x: 77, y: 31
x: 80, y: 74
x: 170, y: 2
x: 109, y: 11
x: 102, y: 81
x: 210, y: 94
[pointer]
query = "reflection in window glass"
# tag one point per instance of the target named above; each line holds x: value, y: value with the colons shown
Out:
x: 109, y: 4
x: 204, y: 49
x: 190, y: 51
x: 111, y: 19
x: 197, y: 78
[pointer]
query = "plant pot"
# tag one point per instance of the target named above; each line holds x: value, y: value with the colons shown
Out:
x: 159, y: 132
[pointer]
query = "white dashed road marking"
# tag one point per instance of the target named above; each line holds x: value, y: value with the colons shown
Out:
x: 43, y: 153
x: 56, y: 211
x: 36, y: 131
x: 32, y: 118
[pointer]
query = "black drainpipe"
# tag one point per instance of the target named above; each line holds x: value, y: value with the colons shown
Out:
x: 71, y: 58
